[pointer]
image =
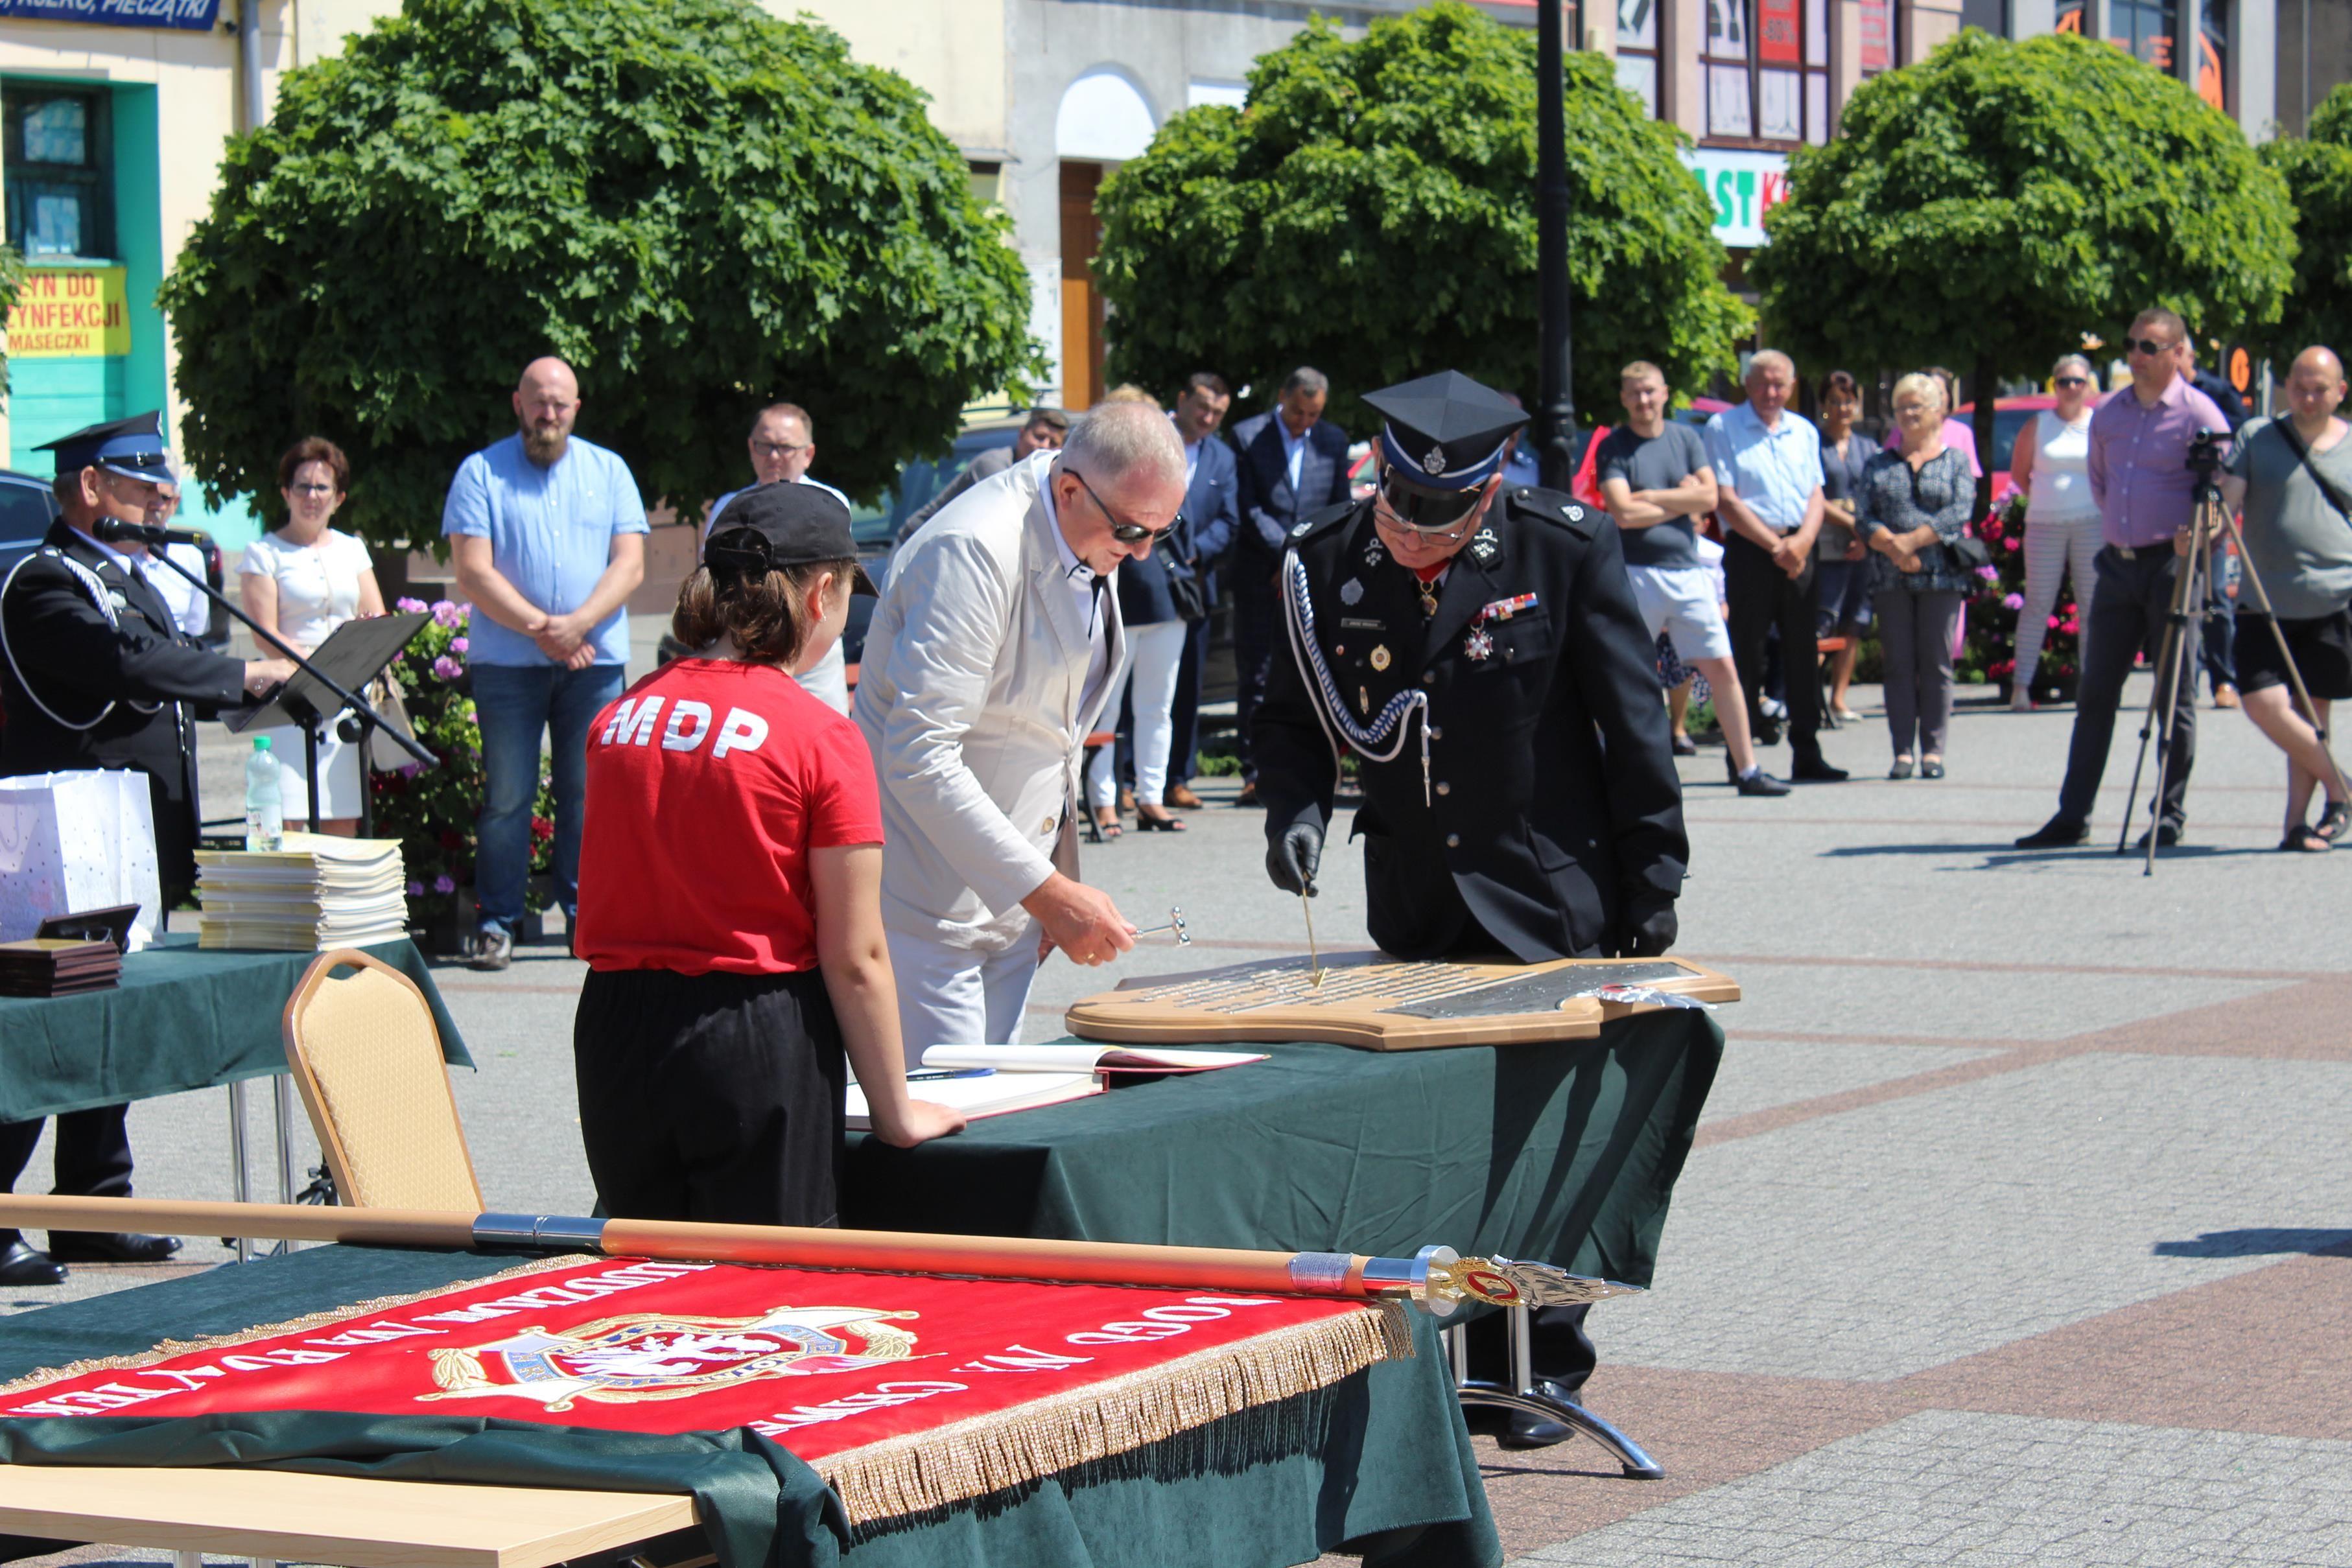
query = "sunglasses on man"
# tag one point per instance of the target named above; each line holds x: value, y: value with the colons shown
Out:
x: 1124, y: 533
x: 2147, y: 346
x: 1436, y: 513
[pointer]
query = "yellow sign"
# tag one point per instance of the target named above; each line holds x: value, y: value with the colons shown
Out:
x: 70, y: 312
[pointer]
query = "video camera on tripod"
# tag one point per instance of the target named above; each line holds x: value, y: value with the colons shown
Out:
x: 2206, y: 450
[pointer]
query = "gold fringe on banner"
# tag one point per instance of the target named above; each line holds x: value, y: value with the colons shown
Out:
x: 932, y: 1469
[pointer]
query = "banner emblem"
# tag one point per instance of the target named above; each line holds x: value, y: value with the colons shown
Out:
x: 614, y: 1361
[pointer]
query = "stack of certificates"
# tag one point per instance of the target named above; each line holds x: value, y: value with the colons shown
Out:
x: 315, y: 893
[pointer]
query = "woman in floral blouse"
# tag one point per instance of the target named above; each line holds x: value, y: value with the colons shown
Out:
x: 1911, y: 506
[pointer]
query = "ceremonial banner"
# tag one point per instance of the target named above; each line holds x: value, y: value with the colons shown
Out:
x: 905, y: 1392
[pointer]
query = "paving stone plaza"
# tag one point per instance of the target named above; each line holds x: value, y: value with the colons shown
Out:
x: 2016, y: 1232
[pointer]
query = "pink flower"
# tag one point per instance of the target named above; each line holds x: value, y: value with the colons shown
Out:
x: 447, y: 614
x: 450, y: 669
x: 460, y: 644
x: 410, y: 769
x: 1990, y: 573
x: 2013, y: 601
x: 408, y: 606
x: 443, y: 884
x: 2009, y: 544
x: 416, y: 890
x: 2054, y: 623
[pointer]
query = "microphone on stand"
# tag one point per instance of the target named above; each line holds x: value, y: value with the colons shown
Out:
x: 114, y: 530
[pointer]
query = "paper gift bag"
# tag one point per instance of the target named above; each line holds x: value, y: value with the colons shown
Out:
x: 76, y: 842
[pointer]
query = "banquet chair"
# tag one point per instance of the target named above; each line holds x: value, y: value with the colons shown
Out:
x: 367, y: 1058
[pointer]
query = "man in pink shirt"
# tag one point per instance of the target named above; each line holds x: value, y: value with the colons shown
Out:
x: 2140, y: 478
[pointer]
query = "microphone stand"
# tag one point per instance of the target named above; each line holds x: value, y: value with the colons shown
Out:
x: 158, y: 541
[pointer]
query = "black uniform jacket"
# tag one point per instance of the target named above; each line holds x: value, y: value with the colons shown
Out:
x: 60, y: 643
x: 1552, y: 788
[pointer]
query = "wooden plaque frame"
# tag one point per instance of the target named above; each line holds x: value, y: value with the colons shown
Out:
x: 1362, y: 997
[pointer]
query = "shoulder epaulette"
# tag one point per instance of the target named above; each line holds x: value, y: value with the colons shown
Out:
x: 1317, y: 522
x: 1553, y: 506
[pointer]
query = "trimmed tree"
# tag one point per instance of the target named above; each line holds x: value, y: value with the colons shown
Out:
x: 704, y: 209
x: 1371, y: 211
x: 1991, y: 204
x: 2317, y: 169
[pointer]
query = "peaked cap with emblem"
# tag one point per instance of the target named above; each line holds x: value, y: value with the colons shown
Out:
x: 1444, y: 433
x: 134, y: 447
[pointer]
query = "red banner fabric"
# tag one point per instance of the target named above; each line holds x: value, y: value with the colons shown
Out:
x: 906, y: 1391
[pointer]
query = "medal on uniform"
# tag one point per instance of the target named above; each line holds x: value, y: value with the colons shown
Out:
x: 1364, y: 701
x: 1379, y: 656
x: 1478, y: 645
x: 1428, y: 596
x: 1351, y: 592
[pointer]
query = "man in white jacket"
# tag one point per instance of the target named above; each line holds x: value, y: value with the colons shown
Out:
x: 987, y: 665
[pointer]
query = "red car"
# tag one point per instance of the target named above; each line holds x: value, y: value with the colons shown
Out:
x: 2010, y: 415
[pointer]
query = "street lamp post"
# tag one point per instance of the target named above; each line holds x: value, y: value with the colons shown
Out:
x: 1556, y: 411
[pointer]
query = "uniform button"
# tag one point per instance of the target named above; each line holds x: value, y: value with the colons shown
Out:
x: 1429, y: 677
x: 1445, y: 789
x: 1436, y: 733
x: 1453, y: 841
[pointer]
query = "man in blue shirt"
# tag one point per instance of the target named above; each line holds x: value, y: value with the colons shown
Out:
x: 548, y: 536
x: 1768, y: 470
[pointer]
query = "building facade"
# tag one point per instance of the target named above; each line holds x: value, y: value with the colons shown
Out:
x: 113, y: 113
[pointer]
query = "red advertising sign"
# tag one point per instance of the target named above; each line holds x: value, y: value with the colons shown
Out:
x: 1779, y: 38
x: 1877, y: 34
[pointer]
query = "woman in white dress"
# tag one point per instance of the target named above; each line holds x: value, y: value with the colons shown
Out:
x: 2062, y: 520
x: 301, y: 581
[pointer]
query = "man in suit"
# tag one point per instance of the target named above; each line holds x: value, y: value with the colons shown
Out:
x: 1043, y: 430
x: 989, y: 662
x: 1205, y: 535
x: 1291, y: 467
x: 1535, y: 814
x: 97, y: 674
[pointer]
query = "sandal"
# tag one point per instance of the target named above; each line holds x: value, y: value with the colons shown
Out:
x: 1145, y: 822
x: 2332, y: 822
x: 2306, y: 840
x: 1107, y: 821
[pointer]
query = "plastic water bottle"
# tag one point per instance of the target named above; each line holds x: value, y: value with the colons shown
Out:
x: 264, y: 816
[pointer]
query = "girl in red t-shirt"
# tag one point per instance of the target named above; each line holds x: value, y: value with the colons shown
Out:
x: 730, y: 872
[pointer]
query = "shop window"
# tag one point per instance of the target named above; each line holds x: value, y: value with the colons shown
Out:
x: 2213, y: 53
x: 1991, y: 16
x: 2145, y: 30
x: 1877, y: 36
x: 57, y: 162
x: 1637, y: 51
x: 1766, y: 65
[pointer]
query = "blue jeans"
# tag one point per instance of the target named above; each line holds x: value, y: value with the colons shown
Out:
x: 515, y: 703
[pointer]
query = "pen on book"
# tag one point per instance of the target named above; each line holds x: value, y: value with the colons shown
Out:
x: 933, y: 1074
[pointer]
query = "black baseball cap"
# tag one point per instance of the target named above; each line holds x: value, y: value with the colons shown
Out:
x: 784, y: 523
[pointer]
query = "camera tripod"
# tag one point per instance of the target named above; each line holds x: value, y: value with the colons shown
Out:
x: 2208, y: 527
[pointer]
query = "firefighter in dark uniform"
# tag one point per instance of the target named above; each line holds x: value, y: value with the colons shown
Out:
x: 95, y: 673
x: 1476, y: 644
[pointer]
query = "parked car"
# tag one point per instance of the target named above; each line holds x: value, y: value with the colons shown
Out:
x: 2010, y: 415
x: 875, y: 527
x: 27, y: 507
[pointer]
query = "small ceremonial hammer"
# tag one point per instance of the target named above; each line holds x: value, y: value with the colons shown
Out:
x: 1175, y: 923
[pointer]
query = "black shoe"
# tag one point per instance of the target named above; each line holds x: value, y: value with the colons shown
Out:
x: 110, y: 1246
x: 1812, y: 769
x: 1764, y: 731
x: 1931, y: 767
x: 1760, y: 783
x: 20, y: 1265
x: 1531, y: 1431
x: 2167, y: 834
x: 1685, y: 747
x: 2057, y: 834
x: 1901, y: 770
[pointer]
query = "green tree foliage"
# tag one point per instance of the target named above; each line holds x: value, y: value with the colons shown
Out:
x: 1372, y: 212
x: 2317, y: 169
x: 702, y: 208
x: 1988, y: 206
x: 12, y: 283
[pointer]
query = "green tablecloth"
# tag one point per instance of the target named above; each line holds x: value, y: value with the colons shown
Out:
x: 1563, y: 1153
x: 1382, y: 1466
x: 182, y: 1018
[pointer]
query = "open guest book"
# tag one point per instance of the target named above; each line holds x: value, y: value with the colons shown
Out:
x: 995, y: 1080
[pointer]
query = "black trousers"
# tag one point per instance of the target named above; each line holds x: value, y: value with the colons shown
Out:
x: 714, y: 1097
x: 2129, y: 611
x: 92, y: 1157
x: 1762, y: 597
x: 1257, y: 628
